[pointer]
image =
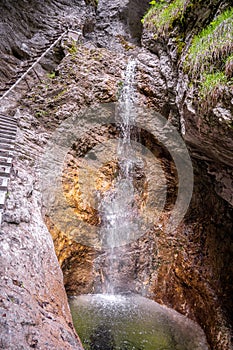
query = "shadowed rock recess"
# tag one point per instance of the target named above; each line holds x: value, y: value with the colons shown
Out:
x: 189, y: 269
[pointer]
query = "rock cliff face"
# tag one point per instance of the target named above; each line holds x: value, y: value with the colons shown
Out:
x: 189, y: 269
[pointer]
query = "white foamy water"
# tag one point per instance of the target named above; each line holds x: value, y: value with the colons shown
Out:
x: 118, y: 207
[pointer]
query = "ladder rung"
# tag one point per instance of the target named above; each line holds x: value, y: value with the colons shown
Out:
x: 6, y: 147
x: 7, y: 130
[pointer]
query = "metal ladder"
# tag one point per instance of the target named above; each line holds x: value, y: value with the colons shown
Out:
x: 8, y: 125
x: 8, y: 130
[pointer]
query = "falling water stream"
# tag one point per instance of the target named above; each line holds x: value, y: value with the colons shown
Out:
x: 118, y: 207
x: 128, y: 322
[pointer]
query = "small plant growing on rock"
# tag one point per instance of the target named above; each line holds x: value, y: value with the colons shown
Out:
x: 73, y: 48
x: 212, y: 85
x: 163, y: 14
x: 212, y: 46
x: 209, y: 61
x: 40, y: 113
x: 52, y: 75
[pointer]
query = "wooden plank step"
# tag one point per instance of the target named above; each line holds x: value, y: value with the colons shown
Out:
x: 40, y: 51
x: 10, y: 82
x: 2, y: 115
x: 3, y: 173
x: 5, y: 170
x: 6, y: 158
x: 5, y: 127
x: 21, y: 71
x: 8, y: 134
x: 8, y: 123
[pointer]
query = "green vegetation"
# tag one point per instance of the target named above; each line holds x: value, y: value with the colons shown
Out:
x: 125, y: 43
x: 41, y: 113
x: 92, y: 3
x: 52, y: 75
x: 156, y: 7
x: 73, y: 48
x: 209, y: 61
x: 213, y: 45
x: 212, y: 85
x: 120, y: 85
x: 163, y: 14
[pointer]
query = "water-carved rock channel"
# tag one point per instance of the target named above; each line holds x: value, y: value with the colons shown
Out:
x: 124, y: 321
x: 116, y: 187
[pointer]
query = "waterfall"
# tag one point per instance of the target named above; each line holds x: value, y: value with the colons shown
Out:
x: 118, y: 207
x: 114, y: 320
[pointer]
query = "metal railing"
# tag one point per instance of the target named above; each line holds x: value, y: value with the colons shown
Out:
x: 31, y: 68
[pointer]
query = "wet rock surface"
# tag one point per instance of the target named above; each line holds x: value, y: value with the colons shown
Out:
x: 189, y: 269
x: 26, y: 28
x: 34, y: 309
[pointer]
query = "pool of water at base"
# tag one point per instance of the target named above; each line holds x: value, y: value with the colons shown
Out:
x: 132, y: 322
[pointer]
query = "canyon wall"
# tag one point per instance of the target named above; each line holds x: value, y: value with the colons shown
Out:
x: 189, y: 269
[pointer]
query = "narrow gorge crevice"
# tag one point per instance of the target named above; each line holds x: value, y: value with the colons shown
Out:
x: 189, y: 269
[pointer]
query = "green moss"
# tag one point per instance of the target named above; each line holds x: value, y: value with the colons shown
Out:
x: 92, y: 3
x: 163, y: 14
x: 155, y: 8
x: 212, y: 84
x: 125, y: 43
x: 180, y: 44
x: 52, y: 75
x: 209, y: 61
x: 60, y: 94
x: 120, y: 85
x: 73, y: 49
x: 41, y: 113
x: 212, y: 46
x: 229, y: 59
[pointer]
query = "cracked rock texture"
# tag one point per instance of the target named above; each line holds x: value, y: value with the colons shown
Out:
x: 33, y: 302
x: 189, y: 269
